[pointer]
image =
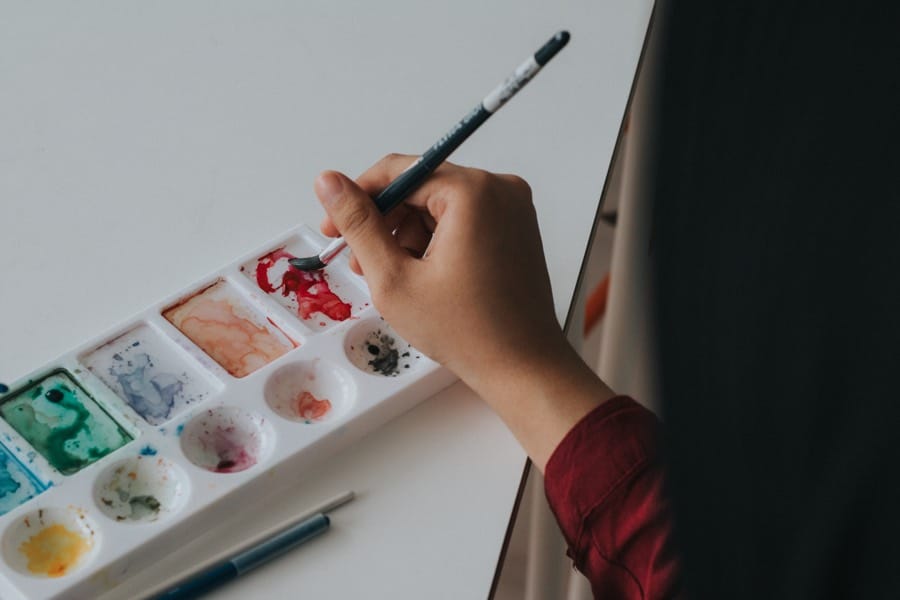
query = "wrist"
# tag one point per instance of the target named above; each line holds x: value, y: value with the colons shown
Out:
x: 539, y: 395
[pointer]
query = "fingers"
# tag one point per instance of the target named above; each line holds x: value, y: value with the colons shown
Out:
x: 392, y: 219
x: 412, y: 235
x: 382, y: 173
x: 355, y: 216
x: 373, y: 181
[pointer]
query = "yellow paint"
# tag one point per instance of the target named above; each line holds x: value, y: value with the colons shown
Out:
x: 54, y: 550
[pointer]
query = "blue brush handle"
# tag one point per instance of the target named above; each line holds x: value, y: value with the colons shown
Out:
x: 202, y: 582
x: 249, y: 559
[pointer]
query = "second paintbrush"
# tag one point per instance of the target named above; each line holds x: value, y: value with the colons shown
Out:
x: 419, y: 171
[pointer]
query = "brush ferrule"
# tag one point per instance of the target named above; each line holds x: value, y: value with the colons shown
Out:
x: 332, y: 250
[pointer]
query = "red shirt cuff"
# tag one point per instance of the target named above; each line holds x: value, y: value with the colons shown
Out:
x: 602, y: 450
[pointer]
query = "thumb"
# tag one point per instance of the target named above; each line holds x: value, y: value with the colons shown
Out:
x: 357, y: 219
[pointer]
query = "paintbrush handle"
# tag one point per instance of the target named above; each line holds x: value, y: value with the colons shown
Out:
x: 420, y: 170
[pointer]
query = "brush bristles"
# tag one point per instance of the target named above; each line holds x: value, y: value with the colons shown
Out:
x: 310, y: 263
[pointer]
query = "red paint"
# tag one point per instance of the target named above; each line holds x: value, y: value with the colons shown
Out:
x: 311, y: 408
x: 310, y: 289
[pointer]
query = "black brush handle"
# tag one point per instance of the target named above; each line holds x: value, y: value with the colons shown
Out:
x: 420, y: 170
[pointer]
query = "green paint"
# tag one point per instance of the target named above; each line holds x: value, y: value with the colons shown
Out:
x: 62, y: 422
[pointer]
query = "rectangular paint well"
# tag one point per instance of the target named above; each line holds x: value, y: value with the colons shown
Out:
x: 17, y: 484
x: 226, y: 327
x: 321, y: 299
x: 149, y: 374
x: 63, y: 423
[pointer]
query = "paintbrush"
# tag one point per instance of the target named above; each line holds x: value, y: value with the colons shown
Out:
x: 253, y: 553
x: 419, y: 171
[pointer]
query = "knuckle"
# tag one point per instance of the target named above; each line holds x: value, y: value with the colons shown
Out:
x: 518, y: 184
x: 394, y: 158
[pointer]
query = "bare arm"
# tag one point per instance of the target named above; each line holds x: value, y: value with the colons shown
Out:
x: 459, y: 271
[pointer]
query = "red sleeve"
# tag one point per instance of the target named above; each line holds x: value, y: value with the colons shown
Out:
x: 604, y: 483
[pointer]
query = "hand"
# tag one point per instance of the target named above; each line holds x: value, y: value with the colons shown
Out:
x: 459, y: 271
x: 463, y: 278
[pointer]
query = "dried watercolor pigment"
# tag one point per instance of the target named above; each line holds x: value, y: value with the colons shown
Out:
x: 384, y: 355
x: 17, y: 484
x: 309, y: 408
x: 63, y: 423
x: 306, y: 293
x: 224, y: 326
x: 54, y: 550
x: 146, y: 372
x: 225, y: 440
x: 139, y: 489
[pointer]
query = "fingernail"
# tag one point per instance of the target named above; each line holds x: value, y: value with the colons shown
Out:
x: 329, y: 187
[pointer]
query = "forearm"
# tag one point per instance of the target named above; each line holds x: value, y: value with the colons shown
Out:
x: 540, y: 395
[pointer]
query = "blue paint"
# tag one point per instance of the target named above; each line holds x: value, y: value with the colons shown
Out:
x: 148, y: 374
x: 179, y: 429
x: 17, y: 484
x: 3, y: 388
x: 148, y: 451
x: 151, y: 396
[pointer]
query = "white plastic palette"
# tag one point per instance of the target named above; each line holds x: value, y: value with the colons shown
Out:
x: 137, y: 441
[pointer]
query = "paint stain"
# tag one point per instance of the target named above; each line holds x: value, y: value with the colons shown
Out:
x: 54, y: 550
x: 381, y: 352
x: 224, y: 440
x: 142, y: 369
x: 310, y: 290
x: 148, y: 451
x: 385, y: 356
x: 227, y: 329
x: 144, y: 507
x: 232, y: 456
x: 63, y: 423
x: 138, y: 490
x: 3, y: 388
x: 310, y: 408
x: 17, y: 485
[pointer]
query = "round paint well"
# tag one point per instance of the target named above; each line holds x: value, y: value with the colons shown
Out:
x: 226, y: 439
x: 142, y: 489
x: 50, y: 542
x: 310, y: 392
x: 374, y: 347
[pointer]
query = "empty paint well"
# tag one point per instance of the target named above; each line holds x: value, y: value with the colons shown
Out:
x: 50, y: 542
x: 374, y: 347
x: 149, y: 373
x: 320, y: 298
x: 310, y: 392
x: 226, y: 439
x: 63, y: 423
x: 141, y: 489
x: 225, y: 326
x: 17, y: 484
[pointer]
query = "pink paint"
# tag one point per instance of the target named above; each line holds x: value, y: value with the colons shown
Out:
x: 312, y: 292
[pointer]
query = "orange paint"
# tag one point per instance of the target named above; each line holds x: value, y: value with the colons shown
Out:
x: 54, y: 550
x: 595, y: 307
x: 226, y: 331
x: 311, y: 408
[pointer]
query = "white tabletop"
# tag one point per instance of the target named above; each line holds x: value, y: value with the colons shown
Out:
x: 143, y: 145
